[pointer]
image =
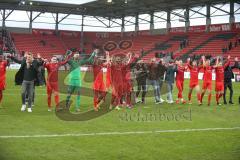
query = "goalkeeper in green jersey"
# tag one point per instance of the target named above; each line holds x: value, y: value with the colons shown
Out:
x: 74, y: 77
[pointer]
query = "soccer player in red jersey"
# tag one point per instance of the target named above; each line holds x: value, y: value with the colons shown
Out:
x: 128, y: 79
x: 99, y: 86
x: 219, y: 84
x: 108, y: 77
x: 52, y: 79
x: 180, y: 80
x: 3, y: 66
x: 207, y: 80
x: 194, y: 70
x: 117, y: 81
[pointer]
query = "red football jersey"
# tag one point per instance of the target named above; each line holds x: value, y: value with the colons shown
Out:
x: 52, y: 69
x: 116, y: 74
x: 3, y: 66
x: 207, y: 76
x: 219, y: 74
x: 193, y: 74
x: 98, y: 73
x: 180, y: 73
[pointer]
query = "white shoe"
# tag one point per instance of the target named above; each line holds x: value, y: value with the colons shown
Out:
x: 23, y: 108
x: 29, y: 110
x: 170, y: 102
x: 118, y: 108
x: 162, y: 100
x: 49, y: 110
x: 137, y: 100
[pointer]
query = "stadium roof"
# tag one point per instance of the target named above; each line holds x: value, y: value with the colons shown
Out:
x: 102, y: 8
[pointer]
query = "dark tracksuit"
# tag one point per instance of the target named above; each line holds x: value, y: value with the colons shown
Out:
x: 161, y: 72
x: 141, y: 77
x: 228, y: 75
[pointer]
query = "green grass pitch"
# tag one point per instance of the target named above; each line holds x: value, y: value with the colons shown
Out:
x: 192, y: 145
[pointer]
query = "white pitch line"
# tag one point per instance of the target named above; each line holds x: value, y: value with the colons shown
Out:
x: 118, y: 133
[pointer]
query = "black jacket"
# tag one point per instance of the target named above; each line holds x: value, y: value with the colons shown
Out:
x: 141, y: 73
x: 228, y: 73
x: 20, y: 74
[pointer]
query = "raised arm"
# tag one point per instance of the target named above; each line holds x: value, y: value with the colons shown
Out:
x: 227, y: 63
x: 88, y: 60
x: 236, y: 64
x: 188, y: 64
x: 14, y: 59
x: 69, y: 56
x: 203, y: 61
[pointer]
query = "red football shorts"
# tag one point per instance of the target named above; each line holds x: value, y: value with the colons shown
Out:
x: 193, y: 85
x: 179, y: 85
x: 52, y: 86
x: 99, y: 86
x: 219, y: 86
x: 207, y: 85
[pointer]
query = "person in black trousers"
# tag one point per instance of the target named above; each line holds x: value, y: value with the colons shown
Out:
x: 228, y: 76
x: 141, y: 78
x: 40, y: 73
x: 28, y: 76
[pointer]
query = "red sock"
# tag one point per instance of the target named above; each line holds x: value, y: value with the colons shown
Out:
x: 199, y: 96
x: 209, y: 98
x: 1, y: 96
x: 180, y: 95
x: 49, y: 100
x: 189, y: 96
x: 56, y: 97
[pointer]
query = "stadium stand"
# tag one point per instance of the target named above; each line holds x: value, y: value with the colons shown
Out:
x: 179, y: 44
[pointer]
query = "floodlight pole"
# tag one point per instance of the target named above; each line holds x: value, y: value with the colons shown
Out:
x: 208, y: 17
x: 187, y: 21
x: 82, y: 34
x: 3, y: 19
x: 30, y: 21
x: 231, y: 17
x: 56, y: 25
x: 123, y: 26
x: 168, y: 20
x: 151, y: 22
x: 137, y: 24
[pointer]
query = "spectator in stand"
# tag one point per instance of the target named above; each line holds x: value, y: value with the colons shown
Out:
x: 230, y: 46
x: 224, y: 49
x: 142, y: 52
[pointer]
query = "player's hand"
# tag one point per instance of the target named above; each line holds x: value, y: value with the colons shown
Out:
x: 39, y: 56
x: 9, y: 55
x: 203, y: 57
x: 69, y: 52
x: 236, y: 59
x: 189, y: 59
x: 228, y: 57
